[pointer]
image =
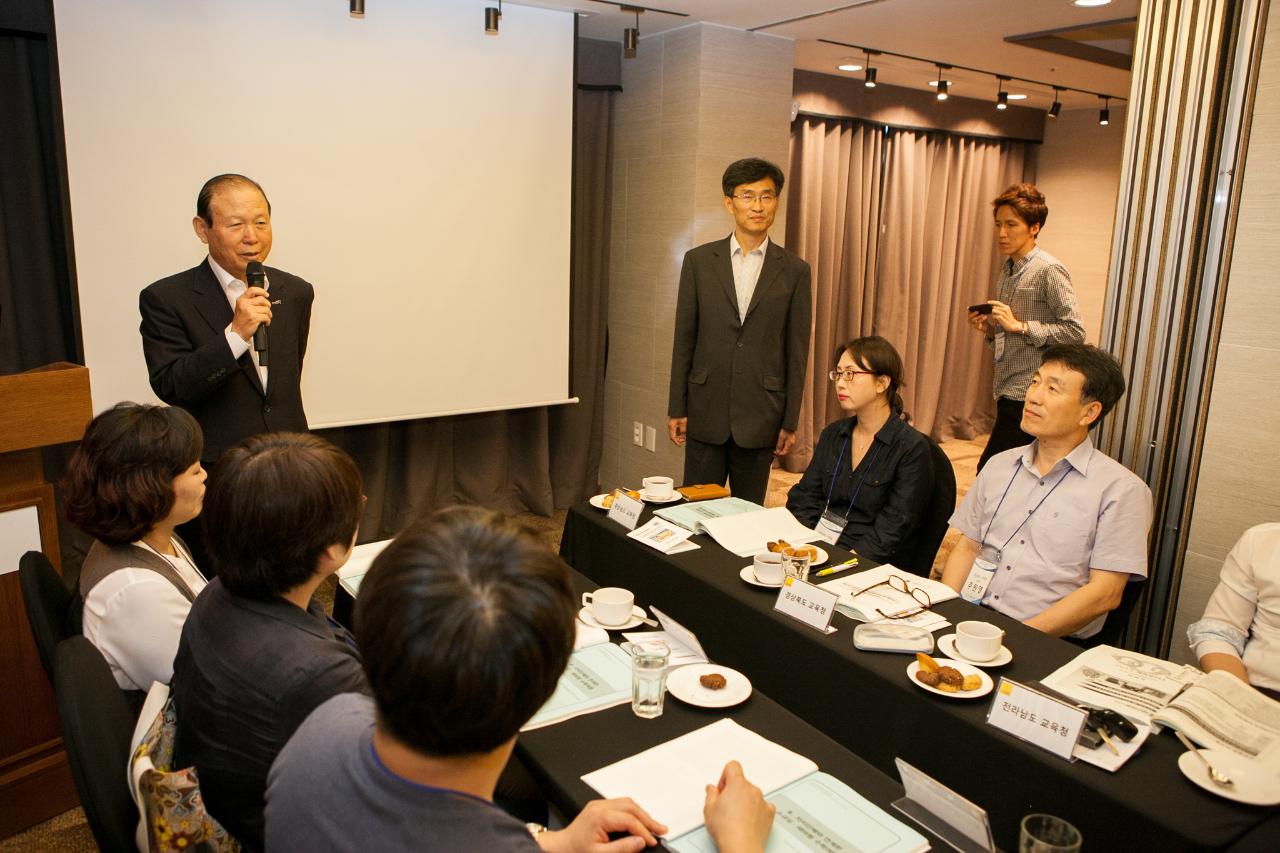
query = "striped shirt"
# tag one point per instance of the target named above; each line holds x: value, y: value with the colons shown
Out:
x: 1037, y: 288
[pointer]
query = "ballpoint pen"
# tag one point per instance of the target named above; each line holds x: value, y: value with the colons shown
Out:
x: 838, y: 567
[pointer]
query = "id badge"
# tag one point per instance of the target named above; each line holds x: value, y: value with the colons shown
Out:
x: 980, y: 575
x: 830, y: 526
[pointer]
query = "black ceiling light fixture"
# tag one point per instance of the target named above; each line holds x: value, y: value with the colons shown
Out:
x: 1104, y: 117
x: 492, y: 17
x: 1002, y: 97
x: 1057, y: 105
x: 870, y: 74
x: 357, y: 8
x: 943, y: 85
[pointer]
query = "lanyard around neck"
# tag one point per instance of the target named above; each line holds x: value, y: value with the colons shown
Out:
x: 858, y: 487
x: 1017, y: 467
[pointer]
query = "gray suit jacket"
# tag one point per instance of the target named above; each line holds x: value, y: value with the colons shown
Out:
x: 740, y: 379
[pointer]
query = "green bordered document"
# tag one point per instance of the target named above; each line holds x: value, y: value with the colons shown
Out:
x: 596, y: 678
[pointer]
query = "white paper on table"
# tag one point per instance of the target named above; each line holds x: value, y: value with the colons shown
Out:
x: 669, y: 780
x: 585, y: 635
x: 660, y: 534
x: 682, y: 642
x: 357, y: 565
x: 1106, y: 759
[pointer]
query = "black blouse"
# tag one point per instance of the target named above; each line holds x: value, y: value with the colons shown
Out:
x: 893, y: 484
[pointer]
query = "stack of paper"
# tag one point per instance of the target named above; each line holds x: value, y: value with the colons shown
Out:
x: 682, y: 642
x: 669, y: 781
x: 750, y: 533
x: 597, y: 677
x: 691, y: 516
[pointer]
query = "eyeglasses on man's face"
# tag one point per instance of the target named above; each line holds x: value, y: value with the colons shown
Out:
x: 750, y: 199
x: 847, y: 374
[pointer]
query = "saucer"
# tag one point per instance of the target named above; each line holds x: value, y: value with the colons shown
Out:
x: 1251, y: 782
x: 748, y: 574
x: 637, y: 618
x: 947, y: 645
x: 683, y: 684
x: 965, y: 669
x: 671, y: 498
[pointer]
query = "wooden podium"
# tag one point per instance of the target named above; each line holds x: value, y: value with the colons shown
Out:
x: 39, y: 408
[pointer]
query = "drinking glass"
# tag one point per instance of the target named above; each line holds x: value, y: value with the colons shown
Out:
x: 648, y: 678
x: 795, y: 564
x: 1044, y: 833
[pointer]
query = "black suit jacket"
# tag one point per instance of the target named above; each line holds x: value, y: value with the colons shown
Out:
x: 184, y: 318
x: 740, y: 379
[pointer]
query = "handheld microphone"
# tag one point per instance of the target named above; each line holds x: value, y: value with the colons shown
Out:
x: 257, y: 277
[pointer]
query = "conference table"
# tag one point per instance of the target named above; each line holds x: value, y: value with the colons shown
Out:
x: 558, y: 755
x: 865, y: 702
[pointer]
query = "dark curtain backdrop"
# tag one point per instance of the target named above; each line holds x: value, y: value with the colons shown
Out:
x: 896, y: 224
x: 37, y: 301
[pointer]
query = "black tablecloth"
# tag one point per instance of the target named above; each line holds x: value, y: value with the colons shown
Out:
x: 866, y: 702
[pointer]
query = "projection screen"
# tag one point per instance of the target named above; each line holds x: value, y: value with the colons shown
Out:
x: 419, y: 173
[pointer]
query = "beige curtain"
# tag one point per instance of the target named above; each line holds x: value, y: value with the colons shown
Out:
x: 833, y: 211
x: 937, y: 257
x: 897, y: 227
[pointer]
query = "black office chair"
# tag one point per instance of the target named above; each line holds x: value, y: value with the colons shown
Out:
x: 97, y: 725
x: 918, y: 552
x: 49, y: 604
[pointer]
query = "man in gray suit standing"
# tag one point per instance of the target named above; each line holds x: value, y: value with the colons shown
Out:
x: 741, y: 342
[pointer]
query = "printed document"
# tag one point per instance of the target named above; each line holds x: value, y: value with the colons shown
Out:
x: 596, y: 678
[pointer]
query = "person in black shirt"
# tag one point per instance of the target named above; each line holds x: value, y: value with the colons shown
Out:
x: 257, y: 654
x: 871, y: 475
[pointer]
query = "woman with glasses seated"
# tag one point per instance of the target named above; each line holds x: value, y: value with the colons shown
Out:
x: 871, y: 475
x: 135, y: 476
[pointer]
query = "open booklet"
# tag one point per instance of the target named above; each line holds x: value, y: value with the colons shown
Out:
x: 692, y: 516
x: 744, y: 533
x: 598, y: 676
x: 861, y: 598
x: 1222, y: 712
x: 1129, y: 683
x: 815, y: 810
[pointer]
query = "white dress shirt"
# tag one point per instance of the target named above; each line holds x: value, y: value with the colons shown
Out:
x: 134, y: 616
x: 746, y: 272
x: 234, y: 288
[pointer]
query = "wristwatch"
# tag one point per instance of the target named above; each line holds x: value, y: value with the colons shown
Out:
x: 535, y: 829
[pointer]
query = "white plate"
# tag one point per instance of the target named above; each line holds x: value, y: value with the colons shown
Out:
x: 947, y: 645
x: 637, y: 618
x: 1251, y: 782
x: 965, y: 669
x: 683, y: 684
x: 671, y: 498
x: 748, y: 574
x: 598, y: 501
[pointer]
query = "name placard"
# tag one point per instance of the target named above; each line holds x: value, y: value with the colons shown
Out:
x: 812, y: 605
x: 626, y: 510
x: 1037, y: 718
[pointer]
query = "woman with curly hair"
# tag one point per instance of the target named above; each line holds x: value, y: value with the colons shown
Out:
x: 135, y: 476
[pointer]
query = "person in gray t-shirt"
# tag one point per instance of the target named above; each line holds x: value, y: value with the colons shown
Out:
x: 465, y: 622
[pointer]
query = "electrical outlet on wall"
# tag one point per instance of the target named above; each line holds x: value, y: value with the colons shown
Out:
x: 637, y: 434
x: 650, y: 439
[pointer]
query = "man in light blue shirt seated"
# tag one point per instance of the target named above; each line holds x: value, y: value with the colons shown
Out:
x: 1053, y: 531
x: 465, y: 623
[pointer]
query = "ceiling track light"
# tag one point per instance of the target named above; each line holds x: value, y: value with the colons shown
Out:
x: 1104, y: 117
x: 492, y: 17
x: 631, y: 35
x: 1057, y: 105
x: 1002, y: 97
x: 870, y: 74
x: 357, y: 8
x: 943, y: 85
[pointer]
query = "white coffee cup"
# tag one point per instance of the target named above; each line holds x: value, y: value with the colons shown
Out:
x: 978, y: 640
x: 768, y: 567
x: 658, y: 488
x: 610, y: 605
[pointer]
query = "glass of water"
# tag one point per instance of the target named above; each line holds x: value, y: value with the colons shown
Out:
x: 1044, y: 833
x: 648, y: 678
x: 795, y: 563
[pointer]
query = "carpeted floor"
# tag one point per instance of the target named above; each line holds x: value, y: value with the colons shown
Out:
x: 69, y: 833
